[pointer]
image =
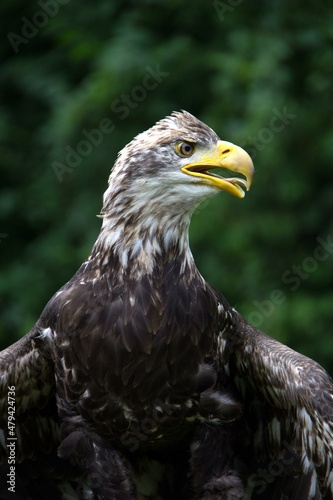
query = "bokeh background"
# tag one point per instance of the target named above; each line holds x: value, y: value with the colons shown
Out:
x: 259, y: 73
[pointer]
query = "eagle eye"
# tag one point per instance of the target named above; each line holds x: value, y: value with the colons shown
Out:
x: 185, y: 148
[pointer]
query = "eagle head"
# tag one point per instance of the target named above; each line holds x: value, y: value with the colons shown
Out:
x: 161, y: 177
x: 172, y: 162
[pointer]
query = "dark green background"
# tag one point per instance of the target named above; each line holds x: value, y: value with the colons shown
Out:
x: 237, y: 65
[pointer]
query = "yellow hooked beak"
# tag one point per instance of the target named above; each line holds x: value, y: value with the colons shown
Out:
x: 224, y: 155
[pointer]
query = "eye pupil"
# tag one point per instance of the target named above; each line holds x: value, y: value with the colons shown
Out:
x: 185, y: 148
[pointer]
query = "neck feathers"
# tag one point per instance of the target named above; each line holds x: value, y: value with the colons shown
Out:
x: 139, y: 247
x: 142, y: 224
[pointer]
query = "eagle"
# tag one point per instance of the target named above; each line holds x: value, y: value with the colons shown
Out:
x: 139, y: 380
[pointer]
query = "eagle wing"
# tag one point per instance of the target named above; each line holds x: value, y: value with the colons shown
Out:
x: 288, y: 413
x: 28, y: 415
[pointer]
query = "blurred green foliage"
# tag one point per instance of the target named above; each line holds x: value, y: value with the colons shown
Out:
x: 259, y: 73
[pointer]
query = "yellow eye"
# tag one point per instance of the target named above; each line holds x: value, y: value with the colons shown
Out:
x: 185, y: 148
